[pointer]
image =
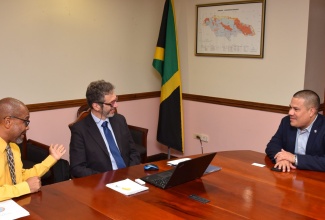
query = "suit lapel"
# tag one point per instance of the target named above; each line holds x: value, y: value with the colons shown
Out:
x: 292, y: 139
x: 95, y: 133
x: 313, y: 134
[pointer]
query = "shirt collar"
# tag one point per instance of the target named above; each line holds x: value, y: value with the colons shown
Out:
x: 308, y: 129
x: 3, y: 145
x: 98, y: 120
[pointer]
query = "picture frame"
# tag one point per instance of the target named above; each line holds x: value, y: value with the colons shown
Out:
x: 230, y: 29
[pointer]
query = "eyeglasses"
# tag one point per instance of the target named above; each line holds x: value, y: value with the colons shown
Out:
x: 26, y: 121
x: 111, y: 104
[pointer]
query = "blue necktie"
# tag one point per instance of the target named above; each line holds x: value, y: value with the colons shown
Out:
x: 112, y: 146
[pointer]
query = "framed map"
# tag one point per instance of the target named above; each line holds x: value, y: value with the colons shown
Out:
x: 230, y: 29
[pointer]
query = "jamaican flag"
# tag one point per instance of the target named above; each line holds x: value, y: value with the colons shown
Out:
x: 170, y: 124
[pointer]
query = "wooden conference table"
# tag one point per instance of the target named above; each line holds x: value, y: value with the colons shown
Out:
x: 238, y: 191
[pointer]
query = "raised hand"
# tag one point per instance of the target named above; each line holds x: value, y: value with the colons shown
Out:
x: 57, y: 151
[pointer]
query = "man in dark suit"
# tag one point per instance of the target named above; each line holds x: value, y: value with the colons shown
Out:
x: 101, y: 141
x: 300, y: 139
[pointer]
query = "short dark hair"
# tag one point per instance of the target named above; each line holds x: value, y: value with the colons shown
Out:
x: 10, y: 106
x: 97, y: 90
x: 311, y: 98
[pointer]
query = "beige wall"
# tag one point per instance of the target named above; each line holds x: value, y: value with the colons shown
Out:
x: 315, y: 65
x: 50, y: 50
x: 269, y: 80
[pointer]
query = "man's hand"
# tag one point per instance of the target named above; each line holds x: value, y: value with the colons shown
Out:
x: 284, y: 160
x: 284, y: 165
x: 57, y: 151
x: 34, y: 184
x: 284, y: 155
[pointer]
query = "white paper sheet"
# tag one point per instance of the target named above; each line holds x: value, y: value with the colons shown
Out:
x: 175, y: 162
x: 9, y: 209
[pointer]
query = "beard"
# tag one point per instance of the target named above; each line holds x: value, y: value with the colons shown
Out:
x: 19, y: 140
x: 110, y: 113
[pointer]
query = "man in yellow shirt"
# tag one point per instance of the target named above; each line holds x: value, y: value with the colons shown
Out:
x: 14, y: 121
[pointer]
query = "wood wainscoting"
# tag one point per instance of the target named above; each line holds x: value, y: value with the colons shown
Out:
x: 156, y: 94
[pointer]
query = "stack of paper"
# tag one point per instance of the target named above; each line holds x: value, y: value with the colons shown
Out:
x: 11, y: 210
x: 175, y: 162
x: 127, y: 187
x: 210, y: 168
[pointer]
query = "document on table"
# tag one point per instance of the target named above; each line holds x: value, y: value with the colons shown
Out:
x: 127, y: 187
x: 175, y: 162
x: 209, y: 169
x: 9, y: 209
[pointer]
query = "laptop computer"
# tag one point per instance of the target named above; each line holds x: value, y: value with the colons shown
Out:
x: 184, y: 172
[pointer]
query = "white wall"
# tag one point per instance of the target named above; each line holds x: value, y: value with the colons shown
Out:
x: 269, y: 80
x: 315, y: 76
x: 50, y: 50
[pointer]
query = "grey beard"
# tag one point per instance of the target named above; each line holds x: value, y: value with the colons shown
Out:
x: 19, y: 140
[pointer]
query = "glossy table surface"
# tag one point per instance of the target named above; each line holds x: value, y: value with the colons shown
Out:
x: 239, y: 190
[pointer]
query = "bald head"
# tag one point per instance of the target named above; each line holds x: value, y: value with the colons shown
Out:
x: 14, y: 120
x: 11, y: 106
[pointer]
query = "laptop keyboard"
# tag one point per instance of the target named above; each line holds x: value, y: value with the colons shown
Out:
x: 161, y: 182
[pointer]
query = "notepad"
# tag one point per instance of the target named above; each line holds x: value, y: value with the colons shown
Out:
x: 127, y: 187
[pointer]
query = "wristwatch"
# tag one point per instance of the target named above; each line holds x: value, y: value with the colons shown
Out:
x: 296, y: 160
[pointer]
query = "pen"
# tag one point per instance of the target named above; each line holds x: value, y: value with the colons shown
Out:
x: 124, y: 188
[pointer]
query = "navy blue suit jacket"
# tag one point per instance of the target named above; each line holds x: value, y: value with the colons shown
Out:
x: 285, y: 138
x: 88, y: 152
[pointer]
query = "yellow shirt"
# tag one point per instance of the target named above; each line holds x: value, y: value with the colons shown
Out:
x: 7, y: 189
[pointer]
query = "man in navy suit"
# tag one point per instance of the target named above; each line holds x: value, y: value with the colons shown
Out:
x: 90, y: 149
x: 300, y: 139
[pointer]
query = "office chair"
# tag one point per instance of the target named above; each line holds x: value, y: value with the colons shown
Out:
x: 33, y: 152
x: 139, y: 134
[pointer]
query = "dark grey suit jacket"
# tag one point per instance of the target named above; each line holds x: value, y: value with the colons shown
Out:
x: 88, y: 152
x: 285, y: 138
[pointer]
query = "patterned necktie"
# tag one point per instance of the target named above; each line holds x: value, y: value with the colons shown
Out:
x: 11, y: 164
x: 112, y: 146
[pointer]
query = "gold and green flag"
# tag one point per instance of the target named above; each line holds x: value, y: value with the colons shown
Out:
x: 170, y: 125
